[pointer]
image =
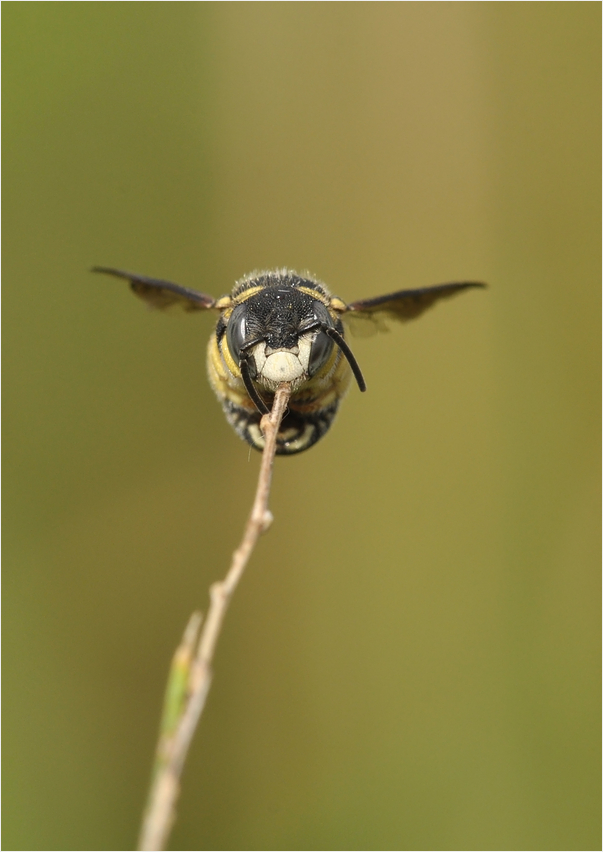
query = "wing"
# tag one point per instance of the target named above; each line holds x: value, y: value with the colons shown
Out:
x: 401, y: 306
x: 162, y: 294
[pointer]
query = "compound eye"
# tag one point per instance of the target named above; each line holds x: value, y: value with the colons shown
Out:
x: 236, y: 331
x: 319, y: 352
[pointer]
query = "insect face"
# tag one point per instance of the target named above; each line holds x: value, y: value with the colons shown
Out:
x: 280, y: 327
x: 278, y: 332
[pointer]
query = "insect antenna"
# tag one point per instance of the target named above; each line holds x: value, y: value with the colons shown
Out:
x: 250, y: 387
x: 337, y: 338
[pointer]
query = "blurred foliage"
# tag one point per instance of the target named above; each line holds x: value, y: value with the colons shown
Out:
x: 411, y: 661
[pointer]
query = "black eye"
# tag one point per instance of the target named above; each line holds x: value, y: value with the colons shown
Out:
x: 319, y: 352
x: 236, y: 331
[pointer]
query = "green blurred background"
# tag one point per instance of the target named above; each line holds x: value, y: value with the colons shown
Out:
x: 411, y: 661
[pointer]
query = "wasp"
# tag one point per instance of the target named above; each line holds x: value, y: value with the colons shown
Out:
x: 278, y: 326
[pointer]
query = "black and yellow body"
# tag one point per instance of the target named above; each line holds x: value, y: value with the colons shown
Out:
x: 278, y: 326
x: 274, y: 309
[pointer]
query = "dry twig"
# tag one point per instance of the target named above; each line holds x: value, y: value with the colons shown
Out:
x: 190, y: 674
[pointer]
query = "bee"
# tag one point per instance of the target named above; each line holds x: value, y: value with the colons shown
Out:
x: 278, y: 326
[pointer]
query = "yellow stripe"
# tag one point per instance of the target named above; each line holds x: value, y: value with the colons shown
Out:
x: 247, y: 294
x: 315, y: 294
x: 223, y: 383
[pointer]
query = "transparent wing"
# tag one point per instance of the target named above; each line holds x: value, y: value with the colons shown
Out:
x: 162, y: 294
x: 367, y: 316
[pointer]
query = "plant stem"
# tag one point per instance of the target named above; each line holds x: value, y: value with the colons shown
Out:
x: 190, y: 673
